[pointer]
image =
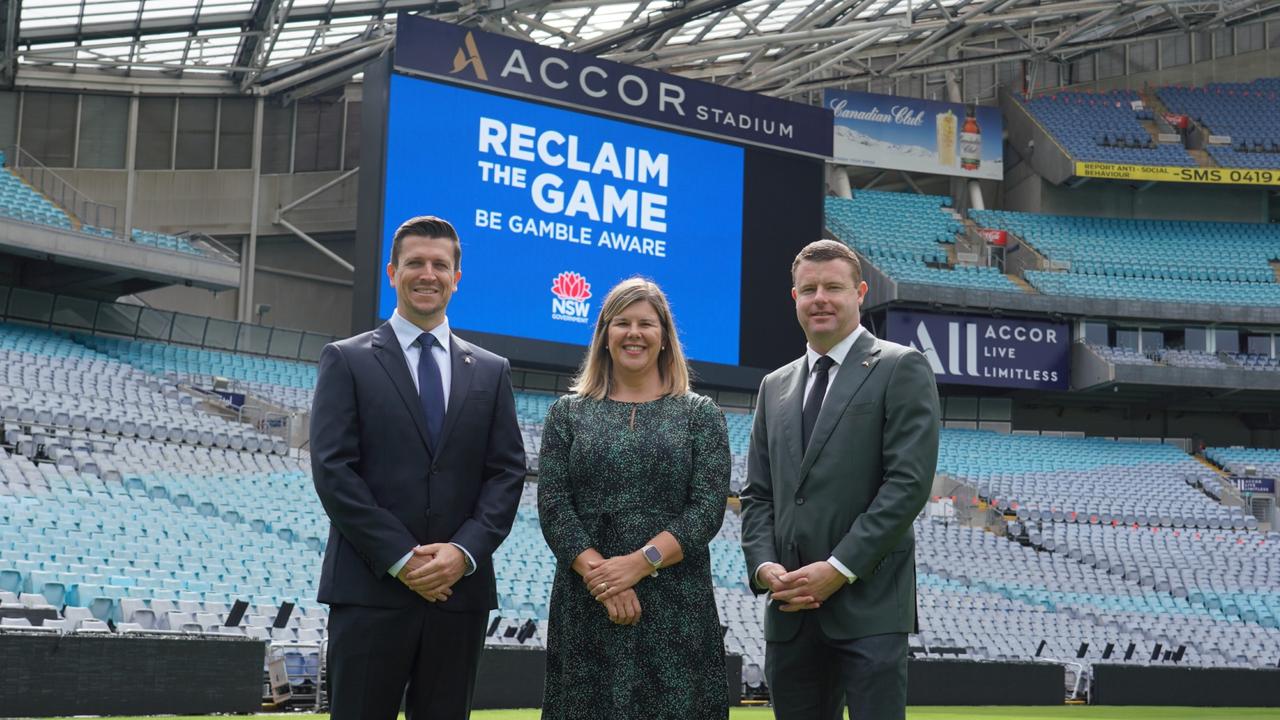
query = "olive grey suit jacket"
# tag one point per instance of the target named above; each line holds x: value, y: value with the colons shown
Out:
x: 853, y: 493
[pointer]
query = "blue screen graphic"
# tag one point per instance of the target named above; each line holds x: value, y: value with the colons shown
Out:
x: 555, y: 207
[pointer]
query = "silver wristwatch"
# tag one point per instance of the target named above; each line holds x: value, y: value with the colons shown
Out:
x: 654, y: 556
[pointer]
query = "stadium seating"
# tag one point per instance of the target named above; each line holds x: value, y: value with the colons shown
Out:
x: 1187, y: 358
x: 1156, y: 260
x: 1088, y: 481
x: 905, y: 235
x: 1243, y: 112
x: 1255, y: 361
x: 165, y: 242
x: 20, y: 201
x: 1122, y: 356
x: 284, y: 382
x: 1104, y: 127
x: 1236, y: 459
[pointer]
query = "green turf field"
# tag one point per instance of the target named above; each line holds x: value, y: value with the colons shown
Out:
x: 925, y: 713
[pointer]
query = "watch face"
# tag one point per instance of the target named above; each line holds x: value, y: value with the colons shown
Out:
x: 652, y: 554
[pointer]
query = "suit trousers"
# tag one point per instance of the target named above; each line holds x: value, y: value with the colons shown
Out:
x: 374, y: 653
x: 811, y: 676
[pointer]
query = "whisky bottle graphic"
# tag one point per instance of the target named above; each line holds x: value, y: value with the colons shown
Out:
x: 970, y: 141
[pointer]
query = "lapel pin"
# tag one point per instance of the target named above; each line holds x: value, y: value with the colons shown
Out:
x: 467, y: 359
x: 866, y: 363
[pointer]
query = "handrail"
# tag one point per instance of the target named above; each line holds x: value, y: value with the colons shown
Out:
x: 115, y: 319
x: 210, y: 245
x: 62, y: 193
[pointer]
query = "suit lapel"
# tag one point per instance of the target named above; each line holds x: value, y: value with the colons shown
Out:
x: 854, y: 371
x: 792, y: 403
x: 462, y: 362
x: 390, y: 355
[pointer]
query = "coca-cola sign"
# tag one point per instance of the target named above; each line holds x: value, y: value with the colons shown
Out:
x: 994, y: 237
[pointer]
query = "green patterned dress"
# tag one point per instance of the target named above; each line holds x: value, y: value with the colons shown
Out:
x: 612, y: 476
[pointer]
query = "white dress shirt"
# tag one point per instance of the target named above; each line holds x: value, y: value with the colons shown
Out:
x: 407, y: 335
x: 837, y: 354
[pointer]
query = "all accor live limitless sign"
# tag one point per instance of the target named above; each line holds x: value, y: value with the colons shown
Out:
x: 474, y: 57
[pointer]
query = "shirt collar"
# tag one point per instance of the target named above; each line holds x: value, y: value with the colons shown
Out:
x: 407, y: 333
x: 839, y: 351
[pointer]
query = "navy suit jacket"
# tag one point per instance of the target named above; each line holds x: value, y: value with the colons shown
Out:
x: 383, y: 489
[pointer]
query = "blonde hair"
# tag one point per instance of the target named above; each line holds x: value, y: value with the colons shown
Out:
x: 595, y: 377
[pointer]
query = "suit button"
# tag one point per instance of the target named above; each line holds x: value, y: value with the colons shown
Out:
x: 799, y: 501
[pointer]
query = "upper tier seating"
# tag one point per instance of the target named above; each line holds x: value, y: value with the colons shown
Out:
x: 284, y: 382
x: 1169, y: 260
x: 1187, y: 358
x: 1104, y: 127
x: 1122, y: 355
x: 1244, y: 112
x: 905, y: 235
x: 49, y: 379
x: 1236, y: 459
x: 1255, y: 361
x: 20, y: 201
x: 165, y: 242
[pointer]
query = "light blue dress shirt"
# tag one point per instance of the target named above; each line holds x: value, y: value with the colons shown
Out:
x: 407, y: 335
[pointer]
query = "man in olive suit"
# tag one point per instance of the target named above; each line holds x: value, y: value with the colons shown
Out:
x: 842, y: 458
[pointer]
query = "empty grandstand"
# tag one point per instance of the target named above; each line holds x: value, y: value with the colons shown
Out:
x: 1106, y: 127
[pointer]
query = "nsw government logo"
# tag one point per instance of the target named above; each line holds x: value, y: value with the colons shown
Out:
x: 571, y: 292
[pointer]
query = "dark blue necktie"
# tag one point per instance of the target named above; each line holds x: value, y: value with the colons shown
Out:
x: 430, y: 388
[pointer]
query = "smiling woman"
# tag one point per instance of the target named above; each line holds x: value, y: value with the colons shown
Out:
x: 634, y: 474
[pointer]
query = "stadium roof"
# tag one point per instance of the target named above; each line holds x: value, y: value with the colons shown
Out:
x: 780, y: 47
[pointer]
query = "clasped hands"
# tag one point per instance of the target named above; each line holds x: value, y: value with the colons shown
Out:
x: 432, y: 570
x: 612, y: 583
x: 805, y: 588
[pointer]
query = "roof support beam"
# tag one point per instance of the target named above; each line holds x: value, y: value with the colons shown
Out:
x: 650, y: 26
x: 1042, y: 15
x: 278, y: 15
x: 1075, y: 30
x: 874, y: 37
x: 841, y: 50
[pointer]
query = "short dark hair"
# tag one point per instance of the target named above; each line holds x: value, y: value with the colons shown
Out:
x: 428, y: 226
x: 825, y: 250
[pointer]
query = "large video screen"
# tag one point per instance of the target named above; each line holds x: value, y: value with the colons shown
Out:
x: 554, y: 207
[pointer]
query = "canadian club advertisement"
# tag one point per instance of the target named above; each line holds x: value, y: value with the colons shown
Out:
x: 897, y: 133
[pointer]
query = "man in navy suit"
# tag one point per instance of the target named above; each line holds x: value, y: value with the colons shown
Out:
x: 418, y: 459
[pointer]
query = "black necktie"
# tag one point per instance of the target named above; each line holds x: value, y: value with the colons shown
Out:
x: 813, y: 403
x: 430, y: 388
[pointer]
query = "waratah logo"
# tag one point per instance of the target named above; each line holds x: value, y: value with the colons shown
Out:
x: 571, y: 292
x: 571, y: 286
